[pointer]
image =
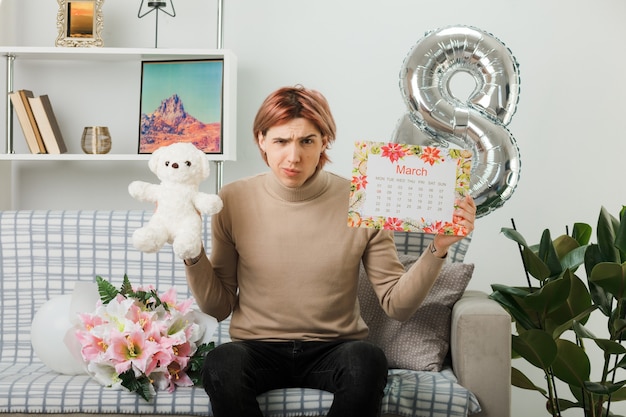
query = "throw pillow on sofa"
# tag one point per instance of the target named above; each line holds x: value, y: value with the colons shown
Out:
x: 421, y: 343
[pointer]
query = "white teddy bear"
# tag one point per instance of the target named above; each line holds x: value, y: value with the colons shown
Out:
x: 181, y: 167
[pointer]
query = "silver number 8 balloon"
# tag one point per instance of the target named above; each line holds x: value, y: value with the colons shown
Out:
x: 477, y: 123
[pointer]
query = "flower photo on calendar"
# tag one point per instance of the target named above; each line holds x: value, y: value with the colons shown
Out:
x: 410, y: 188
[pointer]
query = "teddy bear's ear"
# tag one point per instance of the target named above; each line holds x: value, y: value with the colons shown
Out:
x: 155, y: 159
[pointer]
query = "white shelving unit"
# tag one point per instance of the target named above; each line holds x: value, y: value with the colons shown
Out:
x: 76, y: 157
x: 113, y: 96
x: 111, y: 56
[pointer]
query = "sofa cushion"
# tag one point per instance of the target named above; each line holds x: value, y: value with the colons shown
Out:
x: 421, y: 343
x: 414, y: 243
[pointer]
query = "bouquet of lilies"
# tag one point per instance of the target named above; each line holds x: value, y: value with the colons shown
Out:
x: 141, y: 340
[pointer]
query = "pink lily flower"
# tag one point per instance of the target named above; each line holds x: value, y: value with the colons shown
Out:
x: 177, y: 377
x: 131, y: 349
x: 93, y: 347
x: 169, y: 298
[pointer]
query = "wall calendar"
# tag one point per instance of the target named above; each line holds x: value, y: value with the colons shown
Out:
x: 409, y: 188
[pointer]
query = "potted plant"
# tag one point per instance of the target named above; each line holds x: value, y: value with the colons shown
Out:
x: 550, y: 312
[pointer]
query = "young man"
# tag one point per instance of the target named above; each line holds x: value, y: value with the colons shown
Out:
x: 285, y: 264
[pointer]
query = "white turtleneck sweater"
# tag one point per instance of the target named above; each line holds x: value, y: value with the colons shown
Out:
x: 285, y: 263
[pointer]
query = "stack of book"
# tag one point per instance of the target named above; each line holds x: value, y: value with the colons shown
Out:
x: 38, y: 122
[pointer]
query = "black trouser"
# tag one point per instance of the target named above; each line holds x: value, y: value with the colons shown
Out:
x: 236, y: 373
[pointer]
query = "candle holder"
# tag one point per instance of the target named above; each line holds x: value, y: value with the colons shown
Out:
x: 96, y: 140
x: 156, y: 7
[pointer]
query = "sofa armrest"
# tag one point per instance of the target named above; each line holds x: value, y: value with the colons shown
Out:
x: 480, y: 346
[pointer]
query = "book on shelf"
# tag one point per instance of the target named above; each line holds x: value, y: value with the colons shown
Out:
x: 22, y: 108
x: 25, y: 95
x: 48, y: 125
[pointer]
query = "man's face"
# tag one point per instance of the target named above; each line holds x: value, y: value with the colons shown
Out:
x: 293, y: 151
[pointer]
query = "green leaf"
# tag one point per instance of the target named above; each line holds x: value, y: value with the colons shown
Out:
x: 619, y: 395
x: 508, y: 298
x: 140, y: 385
x: 126, y: 288
x: 519, y: 380
x: 610, y: 347
x: 578, y: 304
x: 574, y: 258
x: 582, y: 332
x: 620, y: 238
x: 582, y: 232
x: 611, y: 277
x: 564, y: 244
x: 567, y: 404
x: 512, y: 291
x: 548, y: 254
x: 514, y: 235
x: 194, y: 367
x: 592, y: 257
x: 571, y: 364
x: 532, y: 263
x: 535, y: 265
x: 602, y: 298
x: 603, y: 388
x: 106, y: 290
x: 550, y: 297
x: 571, y: 324
x: 619, y: 326
x: 606, y: 235
x: 537, y: 347
x: 148, y: 298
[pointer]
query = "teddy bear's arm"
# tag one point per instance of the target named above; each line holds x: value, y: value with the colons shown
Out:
x: 143, y: 191
x: 207, y: 203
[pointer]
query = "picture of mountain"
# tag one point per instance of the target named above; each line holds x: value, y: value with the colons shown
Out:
x: 171, y: 123
x: 181, y: 101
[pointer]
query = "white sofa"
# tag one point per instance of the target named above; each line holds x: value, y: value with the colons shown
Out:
x: 43, y: 254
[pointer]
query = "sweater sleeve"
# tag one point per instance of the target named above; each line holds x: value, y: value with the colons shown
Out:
x: 211, y: 294
x: 400, y: 293
x: 213, y: 283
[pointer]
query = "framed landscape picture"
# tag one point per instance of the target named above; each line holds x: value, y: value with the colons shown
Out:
x: 79, y: 23
x: 182, y: 101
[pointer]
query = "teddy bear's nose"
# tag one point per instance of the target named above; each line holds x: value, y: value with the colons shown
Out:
x: 175, y: 165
